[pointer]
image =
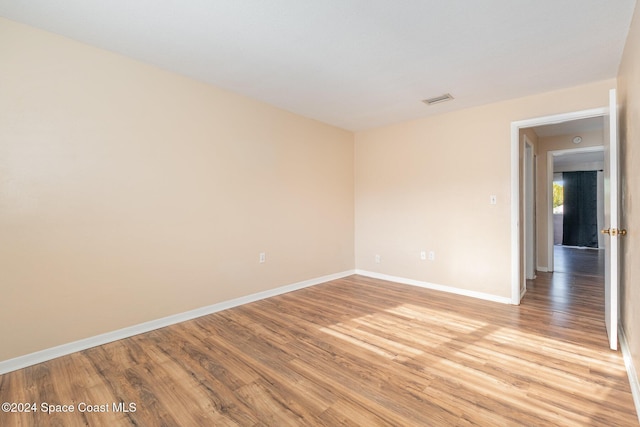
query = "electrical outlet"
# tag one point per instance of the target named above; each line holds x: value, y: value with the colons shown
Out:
x: 432, y: 256
x: 377, y: 258
x: 423, y: 255
x: 263, y: 257
x: 493, y: 199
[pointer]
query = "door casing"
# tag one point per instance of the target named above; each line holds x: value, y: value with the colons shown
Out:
x: 516, y: 267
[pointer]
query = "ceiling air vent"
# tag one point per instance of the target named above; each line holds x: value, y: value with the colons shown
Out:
x: 438, y: 99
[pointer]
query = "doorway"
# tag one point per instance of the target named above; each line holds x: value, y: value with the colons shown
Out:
x: 518, y: 152
x: 609, y: 115
x: 559, y: 162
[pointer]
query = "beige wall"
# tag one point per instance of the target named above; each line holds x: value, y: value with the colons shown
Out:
x: 128, y: 193
x: 546, y: 144
x: 629, y: 99
x: 425, y: 185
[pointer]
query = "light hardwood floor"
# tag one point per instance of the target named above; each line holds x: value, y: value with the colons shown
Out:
x: 355, y: 351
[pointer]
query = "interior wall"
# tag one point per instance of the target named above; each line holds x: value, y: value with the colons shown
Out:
x: 426, y: 185
x: 629, y: 100
x: 128, y: 193
x: 546, y: 144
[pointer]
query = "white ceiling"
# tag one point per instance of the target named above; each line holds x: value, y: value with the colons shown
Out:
x: 569, y: 159
x: 573, y: 127
x: 356, y: 64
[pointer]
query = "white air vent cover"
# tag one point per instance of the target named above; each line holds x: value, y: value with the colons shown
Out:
x: 438, y: 99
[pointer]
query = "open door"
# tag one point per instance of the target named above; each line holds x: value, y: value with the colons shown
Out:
x: 612, y: 221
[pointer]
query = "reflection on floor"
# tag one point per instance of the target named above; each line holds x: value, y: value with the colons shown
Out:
x: 583, y: 261
x: 574, y: 292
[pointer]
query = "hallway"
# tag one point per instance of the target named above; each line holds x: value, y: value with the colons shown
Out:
x: 582, y: 261
x: 573, y: 293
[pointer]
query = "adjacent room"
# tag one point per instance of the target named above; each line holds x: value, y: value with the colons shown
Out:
x: 319, y: 213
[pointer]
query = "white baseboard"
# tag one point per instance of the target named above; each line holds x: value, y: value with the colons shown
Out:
x: 634, y: 382
x: 443, y: 288
x: 542, y: 269
x: 83, y: 344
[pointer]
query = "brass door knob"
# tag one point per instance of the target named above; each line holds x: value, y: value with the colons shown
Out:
x: 614, y: 232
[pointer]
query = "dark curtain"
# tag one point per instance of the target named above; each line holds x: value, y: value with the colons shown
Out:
x: 580, y: 217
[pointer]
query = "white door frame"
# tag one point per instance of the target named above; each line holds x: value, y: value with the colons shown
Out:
x: 529, y: 177
x: 515, y: 183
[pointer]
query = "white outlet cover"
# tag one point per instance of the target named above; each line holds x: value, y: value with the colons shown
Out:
x: 423, y: 255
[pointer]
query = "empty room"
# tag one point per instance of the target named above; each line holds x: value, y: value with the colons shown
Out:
x: 286, y: 213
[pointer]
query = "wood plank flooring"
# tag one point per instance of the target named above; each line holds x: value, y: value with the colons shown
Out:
x: 352, y: 352
x: 578, y: 261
